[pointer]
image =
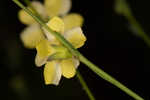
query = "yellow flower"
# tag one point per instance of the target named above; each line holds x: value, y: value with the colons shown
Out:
x: 74, y: 35
x: 48, y: 10
x: 57, y: 59
x: 65, y: 64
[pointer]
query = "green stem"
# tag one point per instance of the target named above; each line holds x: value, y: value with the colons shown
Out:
x: 132, y: 20
x: 85, y: 87
x: 84, y: 60
x: 109, y: 78
x: 122, y: 7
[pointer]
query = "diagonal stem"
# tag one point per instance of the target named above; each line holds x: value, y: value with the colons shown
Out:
x: 132, y: 20
x: 84, y: 60
x: 122, y: 7
x: 85, y: 87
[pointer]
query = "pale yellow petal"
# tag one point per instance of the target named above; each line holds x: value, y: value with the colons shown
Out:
x: 44, y: 49
x: 40, y: 61
x: 31, y: 36
x: 68, y: 68
x: 76, y: 37
x: 72, y: 20
x: 39, y: 7
x: 76, y: 62
x: 50, y: 37
x: 52, y: 73
x: 52, y: 7
x: 65, y: 7
x: 56, y: 24
x: 26, y: 18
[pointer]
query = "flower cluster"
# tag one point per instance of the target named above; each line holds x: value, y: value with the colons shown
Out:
x: 57, y: 59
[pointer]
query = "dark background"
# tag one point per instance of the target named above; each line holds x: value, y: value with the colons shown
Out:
x: 109, y: 44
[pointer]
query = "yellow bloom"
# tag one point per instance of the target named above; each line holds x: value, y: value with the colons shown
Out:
x: 49, y: 9
x: 67, y: 65
x: 57, y: 59
x: 75, y: 35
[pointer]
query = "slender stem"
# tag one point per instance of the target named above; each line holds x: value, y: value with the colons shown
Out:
x: 122, y: 7
x: 84, y: 60
x: 85, y: 87
x: 132, y: 20
x: 109, y: 78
